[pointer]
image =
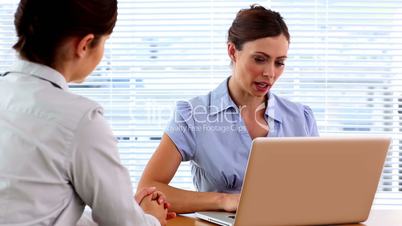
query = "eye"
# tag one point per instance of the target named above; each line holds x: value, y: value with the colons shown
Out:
x: 259, y: 59
x: 280, y: 63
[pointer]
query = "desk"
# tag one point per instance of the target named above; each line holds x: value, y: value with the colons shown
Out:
x: 377, y: 218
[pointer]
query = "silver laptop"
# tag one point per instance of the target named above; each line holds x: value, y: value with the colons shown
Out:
x: 307, y: 181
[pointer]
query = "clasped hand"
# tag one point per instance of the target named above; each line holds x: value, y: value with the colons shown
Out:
x: 155, y: 203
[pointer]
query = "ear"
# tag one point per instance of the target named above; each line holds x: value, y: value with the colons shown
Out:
x: 232, y: 51
x: 84, y: 45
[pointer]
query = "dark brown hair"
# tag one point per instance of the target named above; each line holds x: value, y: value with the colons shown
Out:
x: 254, y: 23
x: 43, y: 25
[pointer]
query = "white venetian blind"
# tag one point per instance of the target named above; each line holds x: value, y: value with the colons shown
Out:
x: 160, y: 52
x: 345, y: 62
x: 7, y: 33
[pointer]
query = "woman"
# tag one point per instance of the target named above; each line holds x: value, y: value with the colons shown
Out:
x: 215, y: 131
x: 57, y: 151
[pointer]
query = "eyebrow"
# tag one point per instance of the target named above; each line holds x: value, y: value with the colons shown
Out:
x: 268, y: 56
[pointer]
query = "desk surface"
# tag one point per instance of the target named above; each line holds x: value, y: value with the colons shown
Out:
x: 376, y: 218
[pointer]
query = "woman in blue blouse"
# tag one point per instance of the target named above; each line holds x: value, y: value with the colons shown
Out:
x: 214, y: 132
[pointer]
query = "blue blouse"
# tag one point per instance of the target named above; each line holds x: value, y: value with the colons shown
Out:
x: 209, y: 132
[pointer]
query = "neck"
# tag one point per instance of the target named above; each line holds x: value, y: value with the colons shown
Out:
x: 244, y: 99
x: 63, y: 71
x: 66, y: 62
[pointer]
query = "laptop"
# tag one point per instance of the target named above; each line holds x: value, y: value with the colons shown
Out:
x: 307, y: 181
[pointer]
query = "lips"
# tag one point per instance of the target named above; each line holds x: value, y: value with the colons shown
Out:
x: 262, y: 86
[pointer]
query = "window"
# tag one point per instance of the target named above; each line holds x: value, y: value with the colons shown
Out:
x: 345, y: 62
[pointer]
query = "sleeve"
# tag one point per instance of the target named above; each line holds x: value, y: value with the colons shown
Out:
x: 181, y: 130
x: 99, y: 178
x: 311, y: 125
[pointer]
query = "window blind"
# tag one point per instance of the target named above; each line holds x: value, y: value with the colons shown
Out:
x: 345, y: 62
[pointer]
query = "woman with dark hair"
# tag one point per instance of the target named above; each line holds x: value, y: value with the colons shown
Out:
x: 57, y: 152
x: 215, y: 131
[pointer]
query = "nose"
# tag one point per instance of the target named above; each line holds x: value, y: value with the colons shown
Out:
x: 269, y: 71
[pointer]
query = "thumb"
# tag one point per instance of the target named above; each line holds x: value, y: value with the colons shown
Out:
x: 143, y: 193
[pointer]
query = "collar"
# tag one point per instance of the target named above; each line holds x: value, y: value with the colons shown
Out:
x: 273, y: 110
x: 40, y: 71
x: 221, y: 100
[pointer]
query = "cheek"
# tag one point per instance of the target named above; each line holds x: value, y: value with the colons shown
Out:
x: 253, y: 70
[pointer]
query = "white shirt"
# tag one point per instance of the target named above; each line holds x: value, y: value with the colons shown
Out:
x: 58, y: 154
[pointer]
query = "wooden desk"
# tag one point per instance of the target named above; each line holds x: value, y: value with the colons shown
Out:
x: 376, y: 218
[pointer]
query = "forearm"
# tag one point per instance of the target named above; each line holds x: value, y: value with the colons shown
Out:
x: 160, y: 171
x: 184, y: 201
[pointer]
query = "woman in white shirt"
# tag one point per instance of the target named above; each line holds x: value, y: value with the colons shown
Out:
x: 57, y: 152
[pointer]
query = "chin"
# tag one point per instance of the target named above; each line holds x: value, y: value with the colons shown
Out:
x: 78, y: 81
x: 260, y: 94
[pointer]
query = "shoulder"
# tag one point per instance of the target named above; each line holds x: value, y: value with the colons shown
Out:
x: 286, y: 105
x: 289, y: 108
x: 63, y: 107
x: 205, y: 103
x: 81, y: 103
x: 78, y: 108
x: 197, y: 104
x: 297, y: 119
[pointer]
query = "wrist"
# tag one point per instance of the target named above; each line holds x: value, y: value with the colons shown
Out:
x: 221, y: 201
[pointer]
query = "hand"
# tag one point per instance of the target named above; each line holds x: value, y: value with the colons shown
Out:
x: 229, y: 202
x: 170, y: 214
x: 140, y: 195
x: 157, y: 210
x: 156, y: 195
x: 161, y: 198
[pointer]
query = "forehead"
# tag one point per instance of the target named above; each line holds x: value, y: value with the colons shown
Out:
x: 272, y: 46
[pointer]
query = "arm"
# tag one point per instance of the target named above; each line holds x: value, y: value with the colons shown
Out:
x: 160, y: 171
x: 102, y: 182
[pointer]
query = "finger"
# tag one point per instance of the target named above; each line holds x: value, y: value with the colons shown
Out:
x: 147, y: 202
x: 155, y: 196
x: 159, y: 196
x: 149, y: 190
x: 170, y: 215
x: 148, y: 198
x: 162, y: 197
x: 161, y: 200
x: 168, y: 205
x: 143, y: 193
